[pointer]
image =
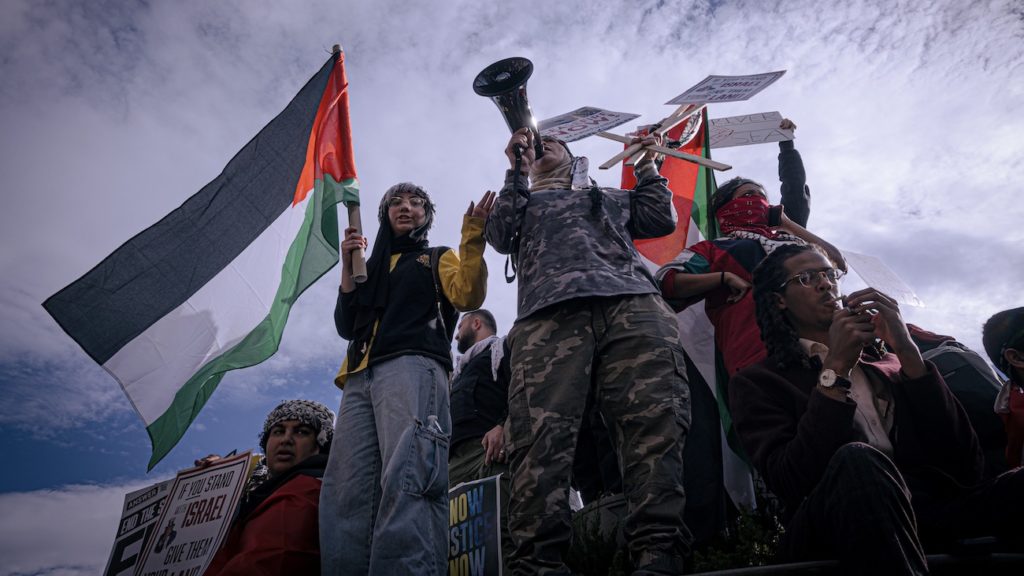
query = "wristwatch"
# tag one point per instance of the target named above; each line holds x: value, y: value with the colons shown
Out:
x: 829, y: 379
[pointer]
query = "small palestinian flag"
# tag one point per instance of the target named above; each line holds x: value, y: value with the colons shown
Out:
x: 209, y: 287
x: 692, y: 186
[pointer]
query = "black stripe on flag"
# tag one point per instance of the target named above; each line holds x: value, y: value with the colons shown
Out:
x: 156, y: 271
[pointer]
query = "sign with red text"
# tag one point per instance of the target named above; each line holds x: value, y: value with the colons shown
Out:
x: 195, y: 518
x: 138, y: 519
x: 727, y: 88
x: 747, y: 129
x: 474, y: 534
x: 582, y: 122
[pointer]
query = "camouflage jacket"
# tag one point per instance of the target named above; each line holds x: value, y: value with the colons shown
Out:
x: 567, y: 251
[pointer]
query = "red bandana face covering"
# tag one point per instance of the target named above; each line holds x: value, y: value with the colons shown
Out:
x: 749, y: 213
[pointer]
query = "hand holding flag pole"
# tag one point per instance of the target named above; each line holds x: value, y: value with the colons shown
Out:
x: 636, y: 151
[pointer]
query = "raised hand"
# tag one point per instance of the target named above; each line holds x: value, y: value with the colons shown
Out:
x: 483, y: 208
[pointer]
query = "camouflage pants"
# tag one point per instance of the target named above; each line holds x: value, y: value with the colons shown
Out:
x: 624, y: 351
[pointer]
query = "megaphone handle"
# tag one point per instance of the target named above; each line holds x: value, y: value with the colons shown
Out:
x: 358, y: 256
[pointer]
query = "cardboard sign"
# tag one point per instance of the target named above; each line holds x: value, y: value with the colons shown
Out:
x: 877, y: 275
x: 474, y: 535
x: 141, y: 511
x: 747, y: 129
x: 197, y: 514
x: 583, y: 122
x: 726, y: 88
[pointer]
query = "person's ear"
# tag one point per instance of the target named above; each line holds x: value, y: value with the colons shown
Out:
x: 1014, y: 357
x: 780, y: 301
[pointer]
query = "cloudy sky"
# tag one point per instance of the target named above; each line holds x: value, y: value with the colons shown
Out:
x: 115, y: 112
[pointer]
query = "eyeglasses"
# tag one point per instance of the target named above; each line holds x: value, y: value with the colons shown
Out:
x: 809, y: 278
x: 414, y: 201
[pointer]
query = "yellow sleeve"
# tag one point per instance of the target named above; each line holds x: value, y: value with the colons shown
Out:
x: 464, y: 275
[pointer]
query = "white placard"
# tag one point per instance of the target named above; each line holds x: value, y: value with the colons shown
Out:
x: 747, y: 129
x: 877, y: 275
x: 195, y: 519
x: 582, y: 122
x: 726, y: 88
x: 141, y: 510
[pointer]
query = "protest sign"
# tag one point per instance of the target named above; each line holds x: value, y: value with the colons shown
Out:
x: 747, y: 129
x: 877, y: 275
x: 195, y: 518
x: 474, y: 535
x: 138, y: 518
x: 582, y: 122
x: 726, y: 88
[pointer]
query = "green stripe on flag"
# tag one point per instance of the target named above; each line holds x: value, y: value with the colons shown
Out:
x: 313, y: 252
x: 346, y: 191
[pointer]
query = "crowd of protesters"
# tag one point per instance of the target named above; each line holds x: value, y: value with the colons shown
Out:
x: 873, y: 457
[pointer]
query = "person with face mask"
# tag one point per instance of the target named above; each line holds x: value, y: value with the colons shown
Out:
x: 719, y: 271
x: 384, y: 502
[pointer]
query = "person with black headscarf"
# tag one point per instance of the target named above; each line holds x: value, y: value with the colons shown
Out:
x: 384, y: 505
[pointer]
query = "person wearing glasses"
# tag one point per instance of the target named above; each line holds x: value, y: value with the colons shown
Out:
x: 719, y: 271
x: 384, y: 501
x: 872, y: 456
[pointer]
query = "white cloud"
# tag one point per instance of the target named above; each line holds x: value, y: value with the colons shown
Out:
x: 68, y: 531
x: 114, y: 114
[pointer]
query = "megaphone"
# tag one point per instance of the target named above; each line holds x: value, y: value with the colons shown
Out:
x: 504, y: 82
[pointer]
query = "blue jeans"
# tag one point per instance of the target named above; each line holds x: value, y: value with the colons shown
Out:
x: 384, y: 500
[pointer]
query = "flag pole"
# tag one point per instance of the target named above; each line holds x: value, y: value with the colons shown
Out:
x: 355, y: 221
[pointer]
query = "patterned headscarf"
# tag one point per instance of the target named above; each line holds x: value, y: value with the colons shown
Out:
x: 312, y: 414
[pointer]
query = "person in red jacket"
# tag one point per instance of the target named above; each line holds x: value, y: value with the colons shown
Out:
x: 276, y: 530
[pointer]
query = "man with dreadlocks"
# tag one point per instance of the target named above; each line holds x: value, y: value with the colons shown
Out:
x: 868, y: 449
x: 590, y: 325
x: 384, y: 504
x: 1003, y: 338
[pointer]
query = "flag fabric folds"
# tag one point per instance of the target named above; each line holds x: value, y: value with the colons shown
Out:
x: 209, y: 287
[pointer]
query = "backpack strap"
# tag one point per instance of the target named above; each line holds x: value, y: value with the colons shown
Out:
x: 443, y: 305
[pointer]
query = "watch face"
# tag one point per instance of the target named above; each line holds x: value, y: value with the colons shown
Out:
x: 827, y: 378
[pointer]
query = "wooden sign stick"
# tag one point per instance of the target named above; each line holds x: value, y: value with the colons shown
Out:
x: 667, y: 123
x: 671, y: 152
x: 682, y: 114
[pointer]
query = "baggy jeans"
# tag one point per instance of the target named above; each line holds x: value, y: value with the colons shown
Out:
x: 384, y: 500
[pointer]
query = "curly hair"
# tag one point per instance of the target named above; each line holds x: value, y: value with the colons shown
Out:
x: 777, y: 332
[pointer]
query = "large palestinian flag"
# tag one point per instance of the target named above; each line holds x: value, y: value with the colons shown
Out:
x: 209, y: 287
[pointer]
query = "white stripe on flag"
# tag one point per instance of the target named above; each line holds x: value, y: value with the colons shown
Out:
x: 153, y: 367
